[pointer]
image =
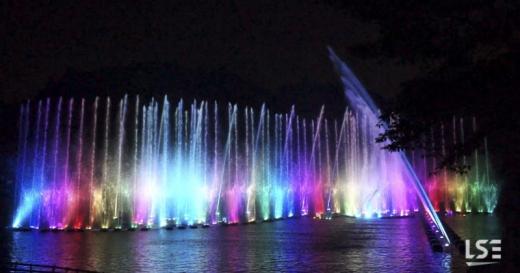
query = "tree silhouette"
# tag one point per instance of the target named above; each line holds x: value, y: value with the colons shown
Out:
x: 469, y: 50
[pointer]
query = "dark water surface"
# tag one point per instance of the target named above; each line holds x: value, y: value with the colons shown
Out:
x: 475, y: 226
x: 345, y: 244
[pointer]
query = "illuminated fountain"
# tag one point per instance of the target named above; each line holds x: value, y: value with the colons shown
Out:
x: 127, y: 162
x: 449, y: 191
x: 472, y: 191
x: 105, y: 163
x: 363, y: 104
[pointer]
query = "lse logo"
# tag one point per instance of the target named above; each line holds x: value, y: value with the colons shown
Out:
x: 480, y: 245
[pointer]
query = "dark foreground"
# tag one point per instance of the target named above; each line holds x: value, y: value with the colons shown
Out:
x: 345, y: 244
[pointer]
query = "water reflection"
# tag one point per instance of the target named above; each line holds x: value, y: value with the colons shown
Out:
x: 385, y: 245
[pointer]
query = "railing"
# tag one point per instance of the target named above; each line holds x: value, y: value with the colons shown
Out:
x: 24, y: 267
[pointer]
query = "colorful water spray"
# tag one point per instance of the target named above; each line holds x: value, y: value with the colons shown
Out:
x: 472, y: 191
x: 362, y: 103
x: 106, y: 162
x: 482, y: 194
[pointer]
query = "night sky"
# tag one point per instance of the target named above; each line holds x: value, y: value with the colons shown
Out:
x: 271, y: 45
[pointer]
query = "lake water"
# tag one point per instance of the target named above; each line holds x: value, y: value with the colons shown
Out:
x: 343, y: 244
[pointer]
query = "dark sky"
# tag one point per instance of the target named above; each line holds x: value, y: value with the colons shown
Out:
x: 271, y: 45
